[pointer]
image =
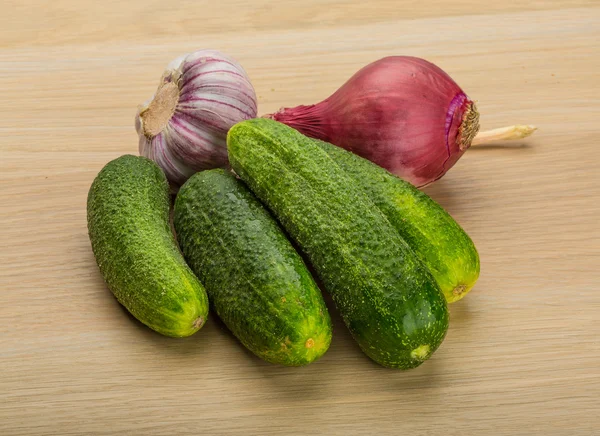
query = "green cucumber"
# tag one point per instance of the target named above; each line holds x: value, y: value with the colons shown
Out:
x: 256, y: 281
x: 431, y: 232
x: 128, y: 225
x: 386, y: 296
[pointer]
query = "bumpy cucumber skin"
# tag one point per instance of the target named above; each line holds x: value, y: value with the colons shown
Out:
x: 128, y: 225
x: 386, y: 296
x: 431, y: 232
x: 256, y: 282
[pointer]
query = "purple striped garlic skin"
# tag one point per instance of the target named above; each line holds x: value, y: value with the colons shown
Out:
x: 184, y: 127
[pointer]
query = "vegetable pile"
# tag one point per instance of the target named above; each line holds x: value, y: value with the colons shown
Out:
x: 332, y: 184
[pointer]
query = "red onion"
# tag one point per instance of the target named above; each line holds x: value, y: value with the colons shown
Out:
x: 403, y: 113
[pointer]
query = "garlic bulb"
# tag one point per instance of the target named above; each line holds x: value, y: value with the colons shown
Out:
x: 183, y: 128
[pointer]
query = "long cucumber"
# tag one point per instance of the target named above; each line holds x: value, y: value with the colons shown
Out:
x: 388, y: 299
x: 256, y: 281
x: 128, y: 224
x: 431, y: 232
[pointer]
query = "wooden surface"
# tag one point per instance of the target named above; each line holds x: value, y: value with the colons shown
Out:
x: 522, y: 355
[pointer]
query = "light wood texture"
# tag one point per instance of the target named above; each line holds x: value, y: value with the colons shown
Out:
x: 522, y: 355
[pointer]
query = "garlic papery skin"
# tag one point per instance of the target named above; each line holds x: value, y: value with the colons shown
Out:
x: 183, y: 128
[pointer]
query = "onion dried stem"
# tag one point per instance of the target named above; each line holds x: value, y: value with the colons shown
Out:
x: 509, y: 133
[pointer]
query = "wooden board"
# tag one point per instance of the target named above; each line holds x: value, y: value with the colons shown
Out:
x: 522, y: 355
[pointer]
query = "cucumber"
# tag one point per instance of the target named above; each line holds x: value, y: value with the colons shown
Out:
x: 128, y: 225
x: 431, y: 232
x: 386, y: 296
x: 256, y: 281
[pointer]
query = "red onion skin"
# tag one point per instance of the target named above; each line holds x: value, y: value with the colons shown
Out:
x: 401, y: 112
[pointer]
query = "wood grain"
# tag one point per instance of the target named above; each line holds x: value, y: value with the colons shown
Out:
x: 522, y: 355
